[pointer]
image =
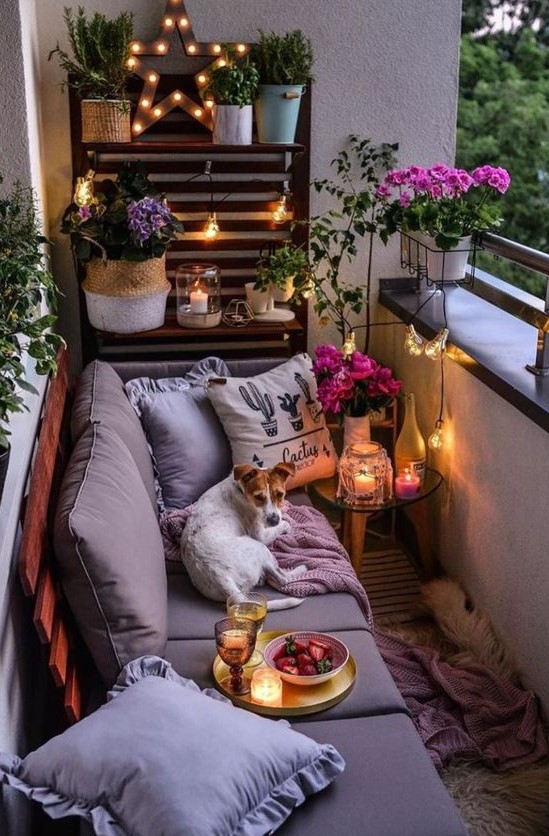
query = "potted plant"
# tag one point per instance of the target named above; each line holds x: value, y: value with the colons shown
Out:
x: 354, y: 213
x: 24, y: 284
x: 233, y: 88
x: 121, y: 234
x: 283, y: 276
x: 99, y: 71
x: 285, y: 66
x: 439, y: 208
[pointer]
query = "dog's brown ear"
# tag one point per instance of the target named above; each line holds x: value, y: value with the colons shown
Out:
x: 284, y: 469
x: 244, y: 472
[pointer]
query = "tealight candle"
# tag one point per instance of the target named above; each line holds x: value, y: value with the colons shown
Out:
x: 199, y: 301
x: 266, y: 687
x: 365, y: 483
x: 407, y: 484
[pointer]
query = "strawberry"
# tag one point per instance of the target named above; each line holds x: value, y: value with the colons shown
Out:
x: 283, y: 661
x: 300, y: 648
x: 303, y: 659
x: 289, y: 668
x: 307, y: 670
x: 324, y: 666
x: 324, y: 646
x: 316, y: 652
x: 280, y: 652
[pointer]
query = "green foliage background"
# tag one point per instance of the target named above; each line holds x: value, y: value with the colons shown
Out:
x: 503, y: 119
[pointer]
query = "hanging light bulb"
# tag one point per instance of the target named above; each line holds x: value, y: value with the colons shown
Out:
x: 436, y: 346
x: 211, y: 228
x: 280, y: 212
x: 83, y: 190
x: 413, y: 342
x: 349, y: 345
x: 436, y: 439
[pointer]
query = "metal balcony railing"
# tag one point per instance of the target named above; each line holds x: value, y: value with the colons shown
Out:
x: 517, y: 302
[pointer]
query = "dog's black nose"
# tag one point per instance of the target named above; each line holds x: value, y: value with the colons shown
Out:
x: 272, y: 519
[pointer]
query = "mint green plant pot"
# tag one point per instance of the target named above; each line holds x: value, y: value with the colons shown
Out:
x: 277, y: 111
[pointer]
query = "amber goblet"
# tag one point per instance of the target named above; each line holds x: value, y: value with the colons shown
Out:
x: 235, y: 640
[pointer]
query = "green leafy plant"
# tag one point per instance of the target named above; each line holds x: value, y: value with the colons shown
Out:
x: 24, y: 284
x: 333, y: 235
x: 233, y: 84
x: 284, y: 59
x: 285, y: 263
x: 125, y: 219
x: 98, y: 68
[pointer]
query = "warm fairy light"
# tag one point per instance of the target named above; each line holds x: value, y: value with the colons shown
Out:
x: 131, y: 63
x: 145, y: 103
x: 209, y: 102
x: 201, y: 79
x: 136, y: 47
x: 413, y: 342
x: 161, y: 47
x: 280, y: 212
x: 83, y: 190
x: 436, y: 439
x: 198, y: 112
x: 177, y: 96
x: 137, y: 127
x: 211, y: 228
x: 191, y: 48
x: 157, y: 111
x: 153, y: 77
x: 241, y: 48
x: 221, y: 63
x: 183, y: 22
x: 168, y: 21
x: 349, y: 345
x: 436, y: 346
x: 217, y: 48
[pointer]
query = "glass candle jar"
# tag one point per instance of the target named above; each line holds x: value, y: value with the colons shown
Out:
x: 365, y: 475
x: 198, y: 289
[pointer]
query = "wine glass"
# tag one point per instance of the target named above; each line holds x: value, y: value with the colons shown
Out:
x: 253, y: 606
x: 235, y: 641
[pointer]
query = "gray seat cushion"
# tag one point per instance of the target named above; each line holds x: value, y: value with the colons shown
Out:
x: 110, y: 555
x: 389, y: 786
x: 101, y: 398
x: 191, y: 616
x: 374, y: 691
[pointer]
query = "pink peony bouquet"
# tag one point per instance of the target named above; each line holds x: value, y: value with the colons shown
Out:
x: 353, y: 385
x: 445, y: 203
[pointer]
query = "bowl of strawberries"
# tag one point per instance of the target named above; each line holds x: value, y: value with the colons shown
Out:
x: 306, y: 657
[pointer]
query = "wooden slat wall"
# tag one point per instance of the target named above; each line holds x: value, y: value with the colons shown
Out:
x: 245, y: 185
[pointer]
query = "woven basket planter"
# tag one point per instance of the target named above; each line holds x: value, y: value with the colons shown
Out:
x: 124, y: 297
x: 104, y: 121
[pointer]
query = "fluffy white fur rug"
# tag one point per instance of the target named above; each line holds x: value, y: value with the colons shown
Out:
x: 514, y: 803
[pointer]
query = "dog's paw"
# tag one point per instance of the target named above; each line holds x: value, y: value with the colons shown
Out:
x: 298, y: 572
x: 283, y: 528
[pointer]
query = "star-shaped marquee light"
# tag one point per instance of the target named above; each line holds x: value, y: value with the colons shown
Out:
x: 148, y: 110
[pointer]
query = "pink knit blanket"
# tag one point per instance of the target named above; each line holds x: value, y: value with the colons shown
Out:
x: 311, y: 542
x: 465, y: 712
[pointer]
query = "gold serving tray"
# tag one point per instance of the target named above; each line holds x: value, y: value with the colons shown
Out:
x: 296, y: 699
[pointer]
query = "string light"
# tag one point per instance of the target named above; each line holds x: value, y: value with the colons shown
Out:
x: 83, y: 190
x: 435, y: 347
x: 211, y: 229
x: 280, y: 212
x: 413, y: 342
x: 436, y: 439
x: 349, y: 345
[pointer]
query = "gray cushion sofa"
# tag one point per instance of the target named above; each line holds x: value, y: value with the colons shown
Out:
x: 109, y: 548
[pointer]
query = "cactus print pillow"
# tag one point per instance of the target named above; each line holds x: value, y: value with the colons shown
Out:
x: 274, y: 417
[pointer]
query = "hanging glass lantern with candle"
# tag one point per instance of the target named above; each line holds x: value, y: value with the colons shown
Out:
x: 198, y: 288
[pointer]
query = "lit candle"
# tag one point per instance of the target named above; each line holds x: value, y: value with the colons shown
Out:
x: 199, y: 301
x: 365, y: 483
x: 266, y: 687
x: 407, y: 484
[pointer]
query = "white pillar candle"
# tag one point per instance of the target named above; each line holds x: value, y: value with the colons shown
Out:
x: 266, y: 687
x: 365, y: 483
x: 199, y: 301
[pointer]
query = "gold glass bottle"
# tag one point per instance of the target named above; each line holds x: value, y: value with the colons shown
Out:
x: 410, y: 450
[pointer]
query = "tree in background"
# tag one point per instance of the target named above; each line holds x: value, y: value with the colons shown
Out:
x: 503, y: 118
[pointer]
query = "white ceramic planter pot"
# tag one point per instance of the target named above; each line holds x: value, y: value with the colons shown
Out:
x: 282, y: 294
x: 232, y: 125
x: 440, y: 266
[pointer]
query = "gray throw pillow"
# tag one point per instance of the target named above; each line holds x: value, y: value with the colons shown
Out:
x: 109, y: 551
x: 189, y: 448
x: 162, y: 757
x: 100, y: 398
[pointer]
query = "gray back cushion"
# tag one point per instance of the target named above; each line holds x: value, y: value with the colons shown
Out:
x: 109, y: 550
x: 101, y: 398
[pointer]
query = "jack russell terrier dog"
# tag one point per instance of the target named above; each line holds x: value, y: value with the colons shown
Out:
x: 224, y: 545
